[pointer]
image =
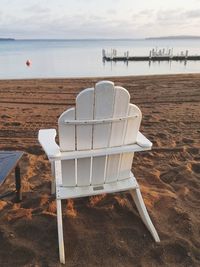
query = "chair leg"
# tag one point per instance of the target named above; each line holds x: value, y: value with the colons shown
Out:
x: 53, y: 184
x: 144, y: 214
x: 18, y: 184
x: 60, y: 232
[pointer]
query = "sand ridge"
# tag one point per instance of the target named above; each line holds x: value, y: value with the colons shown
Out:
x: 105, y: 230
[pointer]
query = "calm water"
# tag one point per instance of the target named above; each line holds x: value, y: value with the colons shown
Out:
x: 79, y: 58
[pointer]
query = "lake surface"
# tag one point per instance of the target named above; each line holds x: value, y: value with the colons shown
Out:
x: 83, y: 58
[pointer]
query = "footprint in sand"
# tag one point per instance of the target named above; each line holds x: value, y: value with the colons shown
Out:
x: 196, y: 167
x: 13, y: 252
x: 174, y: 254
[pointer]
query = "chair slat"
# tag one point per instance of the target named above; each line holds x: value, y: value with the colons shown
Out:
x: 67, y: 143
x: 84, y: 111
x: 131, y: 131
x: 98, y: 170
x: 66, y: 132
x: 103, y: 108
x: 125, y: 165
x: 68, y: 168
x: 112, y: 170
x: 133, y: 125
x: 122, y: 99
x: 83, y: 171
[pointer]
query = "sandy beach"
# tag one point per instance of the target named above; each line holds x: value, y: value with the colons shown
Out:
x: 105, y: 230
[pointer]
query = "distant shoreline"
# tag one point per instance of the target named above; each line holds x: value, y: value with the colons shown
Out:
x: 180, y: 37
x: 7, y: 39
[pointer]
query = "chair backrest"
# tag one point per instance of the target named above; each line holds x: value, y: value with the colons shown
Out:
x: 116, y: 122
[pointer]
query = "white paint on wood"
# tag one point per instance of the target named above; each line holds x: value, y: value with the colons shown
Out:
x: 68, y: 168
x: 46, y: 138
x: 53, y: 184
x: 58, y: 178
x: 133, y: 125
x: 130, y: 136
x: 101, y: 121
x: 83, y: 171
x: 121, y: 103
x: 82, y: 191
x: 60, y: 232
x: 95, y: 167
x: 122, y: 99
x: 143, y: 141
x: 112, y: 169
x: 84, y: 111
x: 103, y: 108
x: 66, y: 132
x: 144, y: 213
x: 99, y: 152
x: 125, y: 165
x: 67, y: 143
x: 98, y: 170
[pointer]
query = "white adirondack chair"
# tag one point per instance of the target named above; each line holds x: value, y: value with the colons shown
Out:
x: 97, y: 141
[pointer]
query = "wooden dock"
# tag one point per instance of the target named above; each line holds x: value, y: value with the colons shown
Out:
x: 154, y: 55
x: 147, y: 58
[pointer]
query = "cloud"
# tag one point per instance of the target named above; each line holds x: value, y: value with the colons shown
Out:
x: 169, y: 17
x: 111, y: 11
x: 144, y: 13
x: 192, y: 14
x: 176, y: 17
x: 1, y: 16
x: 40, y: 22
x: 36, y: 9
x: 174, y: 22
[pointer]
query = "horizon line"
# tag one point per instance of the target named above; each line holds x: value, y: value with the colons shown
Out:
x: 103, y: 38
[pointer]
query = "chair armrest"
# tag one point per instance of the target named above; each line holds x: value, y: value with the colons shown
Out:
x: 46, y: 139
x: 143, y: 141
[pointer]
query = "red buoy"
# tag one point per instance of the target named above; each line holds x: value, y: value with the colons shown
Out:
x: 28, y: 63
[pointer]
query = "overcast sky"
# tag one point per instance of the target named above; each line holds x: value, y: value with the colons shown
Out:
x: 98, y: 18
